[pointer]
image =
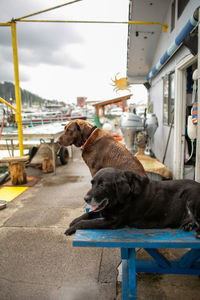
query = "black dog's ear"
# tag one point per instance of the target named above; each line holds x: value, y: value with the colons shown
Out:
x: 136, y: 182
x: 122, y: 188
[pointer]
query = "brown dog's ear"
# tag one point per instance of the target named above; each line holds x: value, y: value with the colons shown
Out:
x: 122, y: 188
x: 77, y: 126
x: 137, y: 182
x: 85, y: 129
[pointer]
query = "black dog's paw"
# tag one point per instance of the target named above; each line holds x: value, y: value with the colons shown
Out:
x: 70, y: 231
x: 197, y: 234
x: 74, y: 221
x: 189, y: 226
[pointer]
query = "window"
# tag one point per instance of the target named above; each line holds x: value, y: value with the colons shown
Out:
x: 168, y: 98
x: 181, y: 6
x: 173, y: 15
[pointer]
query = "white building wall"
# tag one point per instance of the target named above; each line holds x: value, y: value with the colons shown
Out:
x: 156, y: 98
x: 156, y: 91
x: 167, y: 38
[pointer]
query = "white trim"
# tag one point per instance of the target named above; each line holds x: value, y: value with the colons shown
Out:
x: 197, y: 165
x: 179, y: 123
x: 179, y: 115
x: 136, y: 79
x: 186, y: 62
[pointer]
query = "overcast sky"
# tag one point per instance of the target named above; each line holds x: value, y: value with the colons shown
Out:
x: 63, y: 61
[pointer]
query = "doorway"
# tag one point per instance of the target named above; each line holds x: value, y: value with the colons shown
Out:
x: 184, y: 148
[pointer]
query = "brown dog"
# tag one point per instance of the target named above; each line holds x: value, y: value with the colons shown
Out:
x: 100, y: 149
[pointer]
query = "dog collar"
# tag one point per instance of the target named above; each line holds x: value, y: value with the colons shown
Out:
x: 92, y: 132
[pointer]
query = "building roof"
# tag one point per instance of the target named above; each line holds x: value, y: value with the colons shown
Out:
x: 102, y: 104
x: 112, y: 101
x: 150, y: 46
x: 143, y: 39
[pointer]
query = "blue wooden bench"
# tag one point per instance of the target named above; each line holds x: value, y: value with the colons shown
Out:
x: 130, y: 239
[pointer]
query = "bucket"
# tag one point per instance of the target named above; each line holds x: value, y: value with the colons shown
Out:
x: 188, y: 172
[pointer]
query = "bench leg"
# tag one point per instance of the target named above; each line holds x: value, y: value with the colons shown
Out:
x: 125, y: 288
x: 128, y: 273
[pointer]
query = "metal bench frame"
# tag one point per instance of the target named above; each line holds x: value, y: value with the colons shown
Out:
x: 150, y: 240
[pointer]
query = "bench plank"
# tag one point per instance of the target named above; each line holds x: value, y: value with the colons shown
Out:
x: 136, y: 238
x: 15, y: 159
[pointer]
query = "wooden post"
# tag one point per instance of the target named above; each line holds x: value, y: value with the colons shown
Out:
x: 17, y: 168
x: 17, y: 173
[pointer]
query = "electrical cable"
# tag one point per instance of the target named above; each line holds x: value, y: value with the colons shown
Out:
x: 192, y: 150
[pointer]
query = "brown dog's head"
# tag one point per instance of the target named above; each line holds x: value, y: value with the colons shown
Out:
x: 76, y: 132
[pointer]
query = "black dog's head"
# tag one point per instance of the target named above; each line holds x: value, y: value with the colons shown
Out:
x: 111, y: 186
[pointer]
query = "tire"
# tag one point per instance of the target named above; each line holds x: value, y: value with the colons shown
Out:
x: 32, y: 151
x: 64, y: 155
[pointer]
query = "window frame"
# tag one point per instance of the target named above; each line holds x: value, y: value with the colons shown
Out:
x: 173, y: 14
x: 168, y: 98
x: 181, y: 5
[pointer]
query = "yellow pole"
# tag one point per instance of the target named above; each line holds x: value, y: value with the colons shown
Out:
x: 17, y: 88
x: 5, y: 24
x: 165, y: 26
x: 8, y: 104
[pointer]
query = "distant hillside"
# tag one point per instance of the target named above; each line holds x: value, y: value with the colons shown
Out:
x: 7, y: 91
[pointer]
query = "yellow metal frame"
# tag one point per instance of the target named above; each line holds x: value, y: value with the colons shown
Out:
x: 164, y: 26
x: 8, y: 104
x: 12, y: 24
x: 18, y: 117
x: 17, y: 88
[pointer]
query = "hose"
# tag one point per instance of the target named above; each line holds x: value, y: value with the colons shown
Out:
x: 192, y: 150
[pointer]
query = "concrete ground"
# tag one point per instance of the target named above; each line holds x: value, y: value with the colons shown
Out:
x: 38, y: 262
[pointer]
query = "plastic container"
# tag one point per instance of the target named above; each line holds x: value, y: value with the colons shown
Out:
x: 3, y: 204
x: 188, y: 172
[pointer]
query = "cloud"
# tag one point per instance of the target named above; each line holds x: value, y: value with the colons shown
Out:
x: 7, y: 73
x: 61, y: 61
x: 47, y: 35
x: 38, y: 43
x: 29, y: 57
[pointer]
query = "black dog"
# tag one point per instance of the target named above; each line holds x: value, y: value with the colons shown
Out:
x: 123, y: 198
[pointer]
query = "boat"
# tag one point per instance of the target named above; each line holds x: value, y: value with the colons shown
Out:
x: 31, y: 119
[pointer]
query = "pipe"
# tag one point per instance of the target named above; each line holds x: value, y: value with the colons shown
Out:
x: 8, y: 104
x: 5, y: 24
x: 175, y: 45
x: 18, y: 116
x: 164, y: 26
